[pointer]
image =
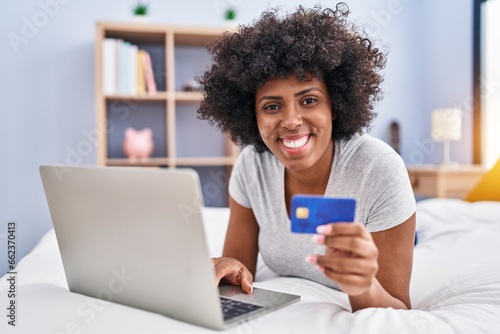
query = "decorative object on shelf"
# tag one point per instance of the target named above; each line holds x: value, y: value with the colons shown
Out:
x: 138, y: 145
x: 140, y: 12
x: 192, y: 86
x: 395, y: 134
x: 446, y: 127
x: 230, y: 17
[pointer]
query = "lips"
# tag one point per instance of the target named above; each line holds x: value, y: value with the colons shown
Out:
x: 296, y: 142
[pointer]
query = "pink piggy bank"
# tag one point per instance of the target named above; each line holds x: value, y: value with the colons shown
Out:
x: 138, y: 145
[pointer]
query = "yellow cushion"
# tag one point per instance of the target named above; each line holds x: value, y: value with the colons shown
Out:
x: 488, y: 188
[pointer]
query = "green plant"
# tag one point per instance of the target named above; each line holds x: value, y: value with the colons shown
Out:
x: 230, y: 14
x: 141, y: 8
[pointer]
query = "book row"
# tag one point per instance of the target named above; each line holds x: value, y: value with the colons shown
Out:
x: 126, y: 69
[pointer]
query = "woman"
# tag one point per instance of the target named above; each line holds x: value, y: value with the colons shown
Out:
x: 298, y: 91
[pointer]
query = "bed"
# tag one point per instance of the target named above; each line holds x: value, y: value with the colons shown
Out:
x: 455, y: 286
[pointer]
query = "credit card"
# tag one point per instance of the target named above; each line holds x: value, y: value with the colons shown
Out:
x: 310, y: 211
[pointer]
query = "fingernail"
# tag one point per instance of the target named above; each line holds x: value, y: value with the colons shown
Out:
x: 251, y: 289
x: 321, y: 229
x: 319, y: 239
x: 311, y: 259
x: 320, y: 268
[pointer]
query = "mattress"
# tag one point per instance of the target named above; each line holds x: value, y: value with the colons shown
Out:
x: 455, y: 286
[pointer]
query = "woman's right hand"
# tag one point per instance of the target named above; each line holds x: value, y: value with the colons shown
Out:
x: 232, y: 271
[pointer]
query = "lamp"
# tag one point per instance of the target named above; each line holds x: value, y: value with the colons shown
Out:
x: 446, y: 127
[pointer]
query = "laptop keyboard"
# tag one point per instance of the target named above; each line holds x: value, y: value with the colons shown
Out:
x: 234, y: 308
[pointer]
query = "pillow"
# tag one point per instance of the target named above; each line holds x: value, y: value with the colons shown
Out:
x: 488, y: 188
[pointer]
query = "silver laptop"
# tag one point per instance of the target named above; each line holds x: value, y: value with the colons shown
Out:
x: 135, y: 236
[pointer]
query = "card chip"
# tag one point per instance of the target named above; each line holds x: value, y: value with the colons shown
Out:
x: 302, y: 213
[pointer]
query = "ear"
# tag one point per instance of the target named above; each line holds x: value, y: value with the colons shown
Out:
x: 334, y: 115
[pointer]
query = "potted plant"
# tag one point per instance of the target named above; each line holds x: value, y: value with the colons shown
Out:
x: 230, y: 17
x: 230, y: 14
x: 140, y: 12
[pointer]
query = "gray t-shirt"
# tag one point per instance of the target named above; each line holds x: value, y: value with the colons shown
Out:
x: 363, y: 167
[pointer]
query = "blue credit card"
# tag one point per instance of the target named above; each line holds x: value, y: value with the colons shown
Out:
x: 310, y: 211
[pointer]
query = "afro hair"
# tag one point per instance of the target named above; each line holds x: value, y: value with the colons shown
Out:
x: 313, y: 42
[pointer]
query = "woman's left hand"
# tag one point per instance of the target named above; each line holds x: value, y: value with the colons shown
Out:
x: 350, y: 257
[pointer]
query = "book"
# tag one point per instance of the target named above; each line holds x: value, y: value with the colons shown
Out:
x: 141, y: 79
x: 118, y: 67
x: 126, y: 70
x: 148, y: 73
x: 132, y: 65
x: 124, y: 82
x: 109, y: 66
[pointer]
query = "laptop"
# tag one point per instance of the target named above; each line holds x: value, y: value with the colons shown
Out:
x: 135, y: 236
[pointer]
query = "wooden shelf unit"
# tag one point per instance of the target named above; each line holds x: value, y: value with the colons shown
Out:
x: 171, y: 99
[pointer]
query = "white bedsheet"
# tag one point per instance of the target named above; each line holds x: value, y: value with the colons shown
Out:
x: 455, y: 287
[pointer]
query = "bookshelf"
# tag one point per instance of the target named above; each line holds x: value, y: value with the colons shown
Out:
x: 178, y: 54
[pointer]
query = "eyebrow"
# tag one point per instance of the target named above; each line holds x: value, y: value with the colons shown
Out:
x: 305, y: 91
x: 277, y: 97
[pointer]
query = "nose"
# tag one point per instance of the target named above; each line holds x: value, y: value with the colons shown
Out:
x: 291, y: 118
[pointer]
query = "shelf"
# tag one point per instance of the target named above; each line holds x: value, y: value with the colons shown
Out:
x: 160, y: 96
x: 205, y: 161
x: 156, y: 33
x: 188, y: 161
x: 188, y: 97
x: 152, y: 162
x: 194, y: 36
x: 134, y: 32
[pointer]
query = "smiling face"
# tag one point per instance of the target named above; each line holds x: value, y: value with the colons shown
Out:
x: 295, y: 122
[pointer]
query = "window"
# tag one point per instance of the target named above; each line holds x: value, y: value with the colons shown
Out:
x: 490, y: 80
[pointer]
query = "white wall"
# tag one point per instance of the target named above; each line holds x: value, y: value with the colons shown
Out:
x: 47, y: 85
x: 448, y: 69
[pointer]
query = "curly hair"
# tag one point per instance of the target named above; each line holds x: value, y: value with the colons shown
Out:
x: 309, y: 42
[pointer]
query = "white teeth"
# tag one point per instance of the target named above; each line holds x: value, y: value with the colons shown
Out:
x: 295, y: 144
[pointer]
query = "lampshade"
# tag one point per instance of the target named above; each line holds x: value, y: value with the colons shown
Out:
x: 447, y: 124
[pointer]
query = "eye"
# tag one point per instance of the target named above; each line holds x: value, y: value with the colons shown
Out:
x: 309, y: 100
x: 271, y: 108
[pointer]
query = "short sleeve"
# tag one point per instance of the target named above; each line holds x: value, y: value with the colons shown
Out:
x: 387, y: 190
x: 238, y: 180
